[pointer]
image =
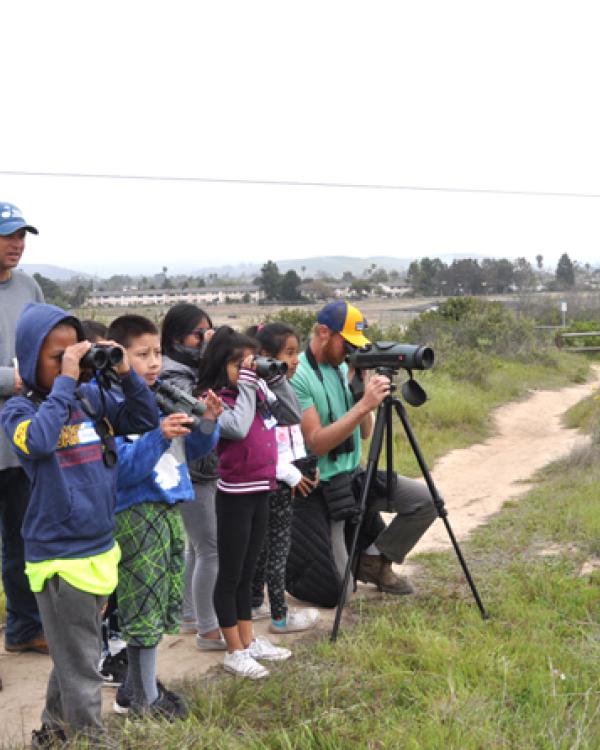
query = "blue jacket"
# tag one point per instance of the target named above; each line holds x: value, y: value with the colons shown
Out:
x: 71, y: 509
x: 153, y: 469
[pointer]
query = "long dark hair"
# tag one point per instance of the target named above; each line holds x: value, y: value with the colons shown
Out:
x: 180, y: 321
x: 272, y: 336
x: 225, y: 346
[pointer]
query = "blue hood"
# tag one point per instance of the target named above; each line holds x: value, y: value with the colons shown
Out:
x: 35, y: 323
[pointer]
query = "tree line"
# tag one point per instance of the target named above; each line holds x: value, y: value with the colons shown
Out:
x: 432, y: 277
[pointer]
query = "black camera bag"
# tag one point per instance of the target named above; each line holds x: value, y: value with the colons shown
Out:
x: 339, y: 497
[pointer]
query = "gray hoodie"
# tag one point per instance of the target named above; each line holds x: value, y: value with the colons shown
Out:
x: 182, y: 376
x: 14, y: 295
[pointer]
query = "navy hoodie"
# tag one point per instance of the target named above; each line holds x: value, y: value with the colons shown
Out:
x: 71, y: 509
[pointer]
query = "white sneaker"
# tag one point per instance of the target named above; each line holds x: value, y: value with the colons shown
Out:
x: 262, y: 648
x: 242, y: 664
x: 296, y: 620
x: 210, y: 644
x: 261, y: 613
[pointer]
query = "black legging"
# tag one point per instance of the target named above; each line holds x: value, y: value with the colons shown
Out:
x: 241, y: 528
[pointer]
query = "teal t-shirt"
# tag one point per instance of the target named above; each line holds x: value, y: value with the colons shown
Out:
x: 311, y: 392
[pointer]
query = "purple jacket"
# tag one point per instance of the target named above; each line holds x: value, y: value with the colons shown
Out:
x: 247, y: 449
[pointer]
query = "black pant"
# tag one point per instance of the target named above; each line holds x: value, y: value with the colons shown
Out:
x: 272, y: 560
x: 241, y: 528
x: 22, y: 617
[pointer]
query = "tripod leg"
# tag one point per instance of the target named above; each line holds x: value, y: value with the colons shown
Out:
x: 438, y: 502
x: 373, y: 458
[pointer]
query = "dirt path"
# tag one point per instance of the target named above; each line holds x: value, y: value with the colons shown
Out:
x: 474, y: 482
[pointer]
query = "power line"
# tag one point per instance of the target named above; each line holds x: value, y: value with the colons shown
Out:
x: 298, y: 183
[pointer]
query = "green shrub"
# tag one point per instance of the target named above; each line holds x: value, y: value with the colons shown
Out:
x: 302, y: 320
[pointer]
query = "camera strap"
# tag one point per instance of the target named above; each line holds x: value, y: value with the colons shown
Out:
x: 312, y: 361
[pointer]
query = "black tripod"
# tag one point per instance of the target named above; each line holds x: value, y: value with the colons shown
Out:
x: 415, y: 395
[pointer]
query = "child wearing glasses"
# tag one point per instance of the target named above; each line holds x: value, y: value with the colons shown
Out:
x: 153, y: 480
x: 63, y: 431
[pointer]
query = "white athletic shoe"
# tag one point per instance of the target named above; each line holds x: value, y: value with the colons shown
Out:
x: 242, y: 664
x: 296, y: 620
x: 261, y: 613
x: 261, y: 648
x: 210, y: 644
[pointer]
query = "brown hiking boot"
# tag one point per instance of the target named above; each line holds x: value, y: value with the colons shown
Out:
x: 37, y: 644
x: 377, y: 569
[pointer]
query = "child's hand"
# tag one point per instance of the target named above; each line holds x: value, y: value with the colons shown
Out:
x: 175, y: 425
x: 214, y: 406
x: 71, y: 357
x: 248, y: 362
x: 306, y: 485
x: 123, y: 367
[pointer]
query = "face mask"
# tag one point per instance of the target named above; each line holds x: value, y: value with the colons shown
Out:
x: 188, y: 354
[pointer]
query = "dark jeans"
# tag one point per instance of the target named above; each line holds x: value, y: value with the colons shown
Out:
x: 22, y: 617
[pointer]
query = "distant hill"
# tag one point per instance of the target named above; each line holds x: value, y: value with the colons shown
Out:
x: 57, y: 273
x: 334, y: 265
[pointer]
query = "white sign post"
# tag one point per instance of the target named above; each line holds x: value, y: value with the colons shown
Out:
x: 563, y: 311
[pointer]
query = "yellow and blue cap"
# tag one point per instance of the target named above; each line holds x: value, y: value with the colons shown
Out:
x: 346, y: 320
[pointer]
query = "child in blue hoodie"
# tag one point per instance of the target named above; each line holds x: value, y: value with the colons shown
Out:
x: 152, y: 479
x: 63, y: 434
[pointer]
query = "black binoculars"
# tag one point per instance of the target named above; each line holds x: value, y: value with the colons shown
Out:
x: 173, y: 400
x: 267, y: 367
x: 101, y: 357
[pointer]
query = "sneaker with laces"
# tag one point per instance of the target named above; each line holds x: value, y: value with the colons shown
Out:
x: 242, y: 664
x: 47, y: 737
x: 296, y: 621
x: 168, y: 705
x: 122, y: 702
x: 261, y: 613
x: 262, y: 648
x: 210, y: 644
x: 113, y: 669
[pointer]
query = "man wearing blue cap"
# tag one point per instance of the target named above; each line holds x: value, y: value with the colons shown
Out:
x: 333, y: 425
x: 23, y: 625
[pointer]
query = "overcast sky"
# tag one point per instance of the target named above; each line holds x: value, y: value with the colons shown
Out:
x: 460, y: 95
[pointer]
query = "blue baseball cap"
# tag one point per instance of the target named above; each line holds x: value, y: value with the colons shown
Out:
x: 345, y: 320
x: 11, y: 220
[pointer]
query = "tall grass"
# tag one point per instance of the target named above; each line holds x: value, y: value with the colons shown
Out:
x: 426, y: 672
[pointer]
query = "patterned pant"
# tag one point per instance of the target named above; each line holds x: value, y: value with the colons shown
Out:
x: 273, y: 557
x: 150, y: 589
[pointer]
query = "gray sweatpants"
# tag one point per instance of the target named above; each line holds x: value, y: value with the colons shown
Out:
x: 201, y: 560
x: 72, y: 625
x: 414, y: 513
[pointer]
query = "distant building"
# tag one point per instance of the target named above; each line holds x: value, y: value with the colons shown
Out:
x: 205, y: 295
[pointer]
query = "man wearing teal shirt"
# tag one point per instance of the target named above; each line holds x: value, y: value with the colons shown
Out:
x: 333, y: 426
